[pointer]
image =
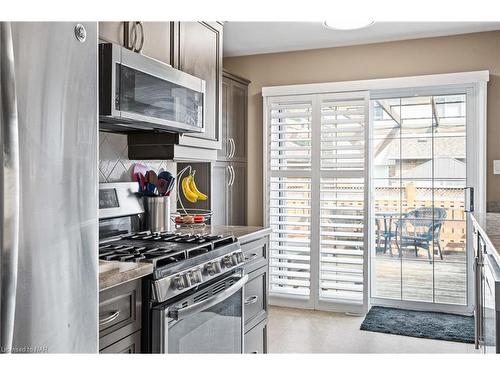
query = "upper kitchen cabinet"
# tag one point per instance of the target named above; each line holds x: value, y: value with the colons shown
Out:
x: 198, y: 51
x: 234, y: 118
x: 157, y: 38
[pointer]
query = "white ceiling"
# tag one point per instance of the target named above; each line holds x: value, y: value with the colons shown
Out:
x: 250, y: 38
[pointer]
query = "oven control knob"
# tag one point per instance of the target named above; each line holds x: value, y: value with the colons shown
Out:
x: 195, y: 276
x: 234, y: 259
x: 217, y: 267
x: 187, y: 280
x: 227, y: 261
x: 210, y: 268
x: 241, y: 257
x: 179, y: 282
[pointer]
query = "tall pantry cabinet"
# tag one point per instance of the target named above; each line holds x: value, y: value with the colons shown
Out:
x: 229, y: 173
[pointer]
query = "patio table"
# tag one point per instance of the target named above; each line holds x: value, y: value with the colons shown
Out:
x: 387, y: 218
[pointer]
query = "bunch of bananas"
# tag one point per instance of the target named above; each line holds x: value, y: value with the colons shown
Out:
x: 190, y: 190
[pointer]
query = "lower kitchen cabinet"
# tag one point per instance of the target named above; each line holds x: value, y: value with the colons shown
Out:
x: 256, y: 294
x: 128, y: 345
x: 120, y: 317
x: 229, y: 193
x: 256, y: 339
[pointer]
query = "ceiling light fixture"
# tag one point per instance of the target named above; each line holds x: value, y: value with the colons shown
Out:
x: 347, y: 24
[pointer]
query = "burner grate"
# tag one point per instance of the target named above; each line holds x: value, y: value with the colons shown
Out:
x: 160, y: 249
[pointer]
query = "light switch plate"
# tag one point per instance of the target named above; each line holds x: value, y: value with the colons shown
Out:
x: 496, y: 166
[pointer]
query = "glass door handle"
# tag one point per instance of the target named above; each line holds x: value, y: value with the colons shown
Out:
x: 469, y: 199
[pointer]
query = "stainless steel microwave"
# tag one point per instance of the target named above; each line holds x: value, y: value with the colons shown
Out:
x: 140, y: 93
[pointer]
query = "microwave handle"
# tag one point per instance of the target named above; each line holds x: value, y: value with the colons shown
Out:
x: 179, y: 314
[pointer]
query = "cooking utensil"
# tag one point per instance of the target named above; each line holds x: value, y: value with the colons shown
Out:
x: 151, y: 177
x: 150, y: 187
x: 170, y: 187
x: 162, y: 186
x: 138, y: 174
x: 170, y: 179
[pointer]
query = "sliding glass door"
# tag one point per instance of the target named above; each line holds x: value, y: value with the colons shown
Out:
x: 419, y: 254
x: 366, y: 195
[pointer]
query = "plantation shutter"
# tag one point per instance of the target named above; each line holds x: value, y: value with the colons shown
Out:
x: 315, y: 197
x: 342, y: 197
x: 290, y: 125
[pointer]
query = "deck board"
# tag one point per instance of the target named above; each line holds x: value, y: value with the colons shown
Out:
x: 414, y: 279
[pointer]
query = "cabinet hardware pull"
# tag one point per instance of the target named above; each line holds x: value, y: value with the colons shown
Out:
x: 233, y: 147
x: 251, y: 300
x: 233, y: 175
x: 251, y: 257
x: 230, y: 175
x: 109, y: 318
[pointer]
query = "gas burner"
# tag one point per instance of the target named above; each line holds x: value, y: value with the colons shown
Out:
x: 161, y: 249
x: 175, y: 237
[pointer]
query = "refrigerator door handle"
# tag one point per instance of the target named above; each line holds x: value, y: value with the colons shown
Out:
x: 9, y: 177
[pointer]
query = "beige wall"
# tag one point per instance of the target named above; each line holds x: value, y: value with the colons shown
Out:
x: 383, y: 60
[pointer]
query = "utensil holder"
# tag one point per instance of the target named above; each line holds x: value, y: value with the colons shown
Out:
x: 157, y: 214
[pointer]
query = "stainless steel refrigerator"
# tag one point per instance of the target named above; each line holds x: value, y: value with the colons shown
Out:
x: 48, y: 183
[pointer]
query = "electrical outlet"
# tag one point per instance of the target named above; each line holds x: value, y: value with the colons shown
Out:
x: 496, y: 166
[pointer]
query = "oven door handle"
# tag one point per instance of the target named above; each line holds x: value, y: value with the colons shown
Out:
x: 179, y: 314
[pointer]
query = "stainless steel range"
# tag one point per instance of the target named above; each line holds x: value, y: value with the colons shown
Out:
x: 196, y: 289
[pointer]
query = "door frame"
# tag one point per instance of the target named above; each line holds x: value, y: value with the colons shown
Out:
x: 475, y: 174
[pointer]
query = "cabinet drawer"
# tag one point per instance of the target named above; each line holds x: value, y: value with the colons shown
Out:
x: 256, y: 339
x: 255, y: 295
x: 119, y: 312
x: 128, y: 345
x: 255, y: 253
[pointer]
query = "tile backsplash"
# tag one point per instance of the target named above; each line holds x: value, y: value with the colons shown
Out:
x: 114, y: 164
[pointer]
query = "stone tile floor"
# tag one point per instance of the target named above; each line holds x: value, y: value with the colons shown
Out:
x: 307, y: 331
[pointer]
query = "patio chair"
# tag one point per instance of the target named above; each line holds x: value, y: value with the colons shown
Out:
x: 420, y: 228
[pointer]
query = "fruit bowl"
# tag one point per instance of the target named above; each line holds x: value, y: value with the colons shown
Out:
x: 190, y: 217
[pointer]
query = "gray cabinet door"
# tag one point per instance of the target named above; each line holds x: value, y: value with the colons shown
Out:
x: 238, y: 196
x: 199, y: 52
x: 223, y: 153
x: 234, y: 118
x: 237, y: 124
x: 128, y: 345
x: 157, y: 38
x: 256, y: 339
x: 220, y: 193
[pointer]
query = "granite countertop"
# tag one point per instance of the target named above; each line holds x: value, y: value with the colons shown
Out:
x: 114, y: 273
x: 489, y: 225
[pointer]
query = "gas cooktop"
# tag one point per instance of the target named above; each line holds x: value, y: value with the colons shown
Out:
x: 180, y: 261
x: 160, y: 249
